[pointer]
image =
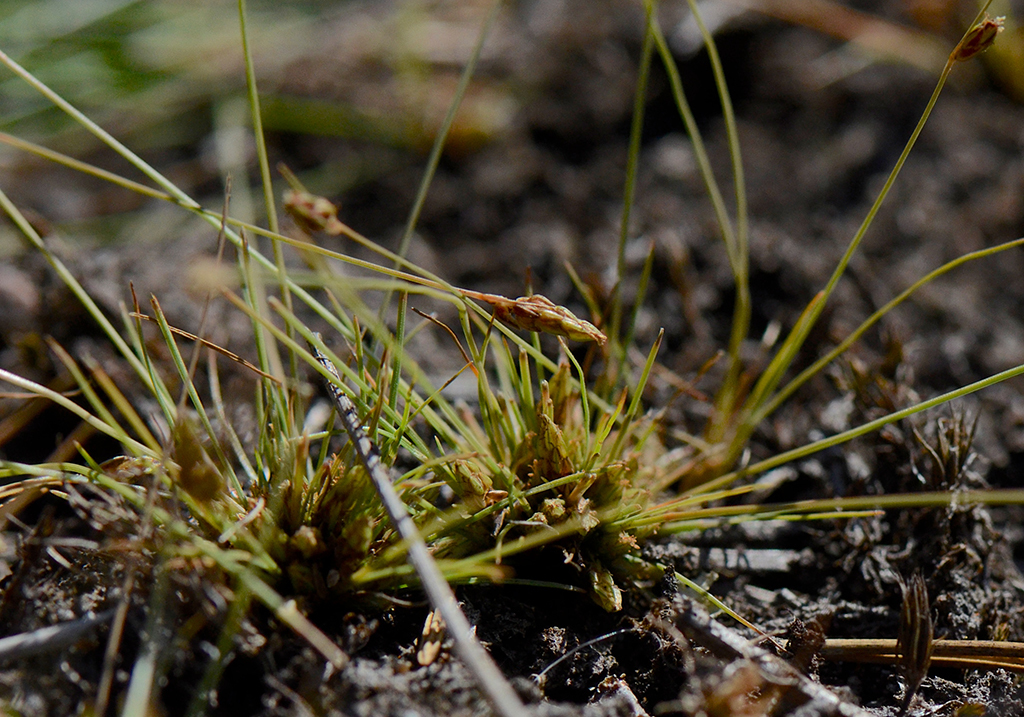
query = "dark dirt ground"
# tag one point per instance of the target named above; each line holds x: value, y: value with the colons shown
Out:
x: 533, y: 179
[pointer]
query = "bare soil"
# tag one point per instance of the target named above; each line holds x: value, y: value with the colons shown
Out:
x: 537, y: 183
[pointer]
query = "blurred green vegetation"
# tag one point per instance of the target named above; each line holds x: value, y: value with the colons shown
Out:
x: 167, y: 77
x: 138, y: 68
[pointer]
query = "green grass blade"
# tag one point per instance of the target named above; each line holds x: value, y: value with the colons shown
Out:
x: 79, y: 291
x: 696, y: 139
x: 233, y: 439
x: 85, y: 386
x: 121, y: 402
x: 771, y: 405
x: 269, y: 201
x: 193, y: 394
x: 442, y: 136
x: 770, y: 379
x: 843, y: 437
x: 726, y: 399
x: 98, y: 132
x: 474, y: 656
x: 638, y: 392
x: 114, y: 432
x: 629, y: 191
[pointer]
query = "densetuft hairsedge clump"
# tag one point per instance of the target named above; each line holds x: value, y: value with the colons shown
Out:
x: 423, y: 490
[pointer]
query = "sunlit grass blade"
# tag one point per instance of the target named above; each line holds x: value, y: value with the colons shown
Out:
x: 97, y: 131
x: 740, y: 326
x: 634, y: 405
x: 121, y: 402
x: 98, y: 406
x: 269, y: 200
x: 870, y: 426
x: 696, y: 139
x: 442, y: 135
x: 84, y: 167
x: 629, y: 191
x: 175, y: 193
x: 79, y: 291
x: 768, y: 407
x: 113, y: 431
x: 193, y: 394
x: 474, y: 656
x: 706, y: 597
x: 238, y: 450
x: 769, y: 381
x: 641, y: 294
x: 415, y: 444
x: 842, y: 508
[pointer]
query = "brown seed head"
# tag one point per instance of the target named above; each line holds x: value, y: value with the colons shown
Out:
x: 312, y: 213
x: 978, y: 39
x: 539, y: 313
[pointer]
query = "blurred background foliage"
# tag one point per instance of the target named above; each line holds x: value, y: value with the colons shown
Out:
x: 167, y: 78
x: 353, y: 92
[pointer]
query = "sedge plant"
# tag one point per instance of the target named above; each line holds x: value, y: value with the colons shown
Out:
x: 549, y: 458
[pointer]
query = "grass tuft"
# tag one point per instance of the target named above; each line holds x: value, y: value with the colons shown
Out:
x: 560, y: 454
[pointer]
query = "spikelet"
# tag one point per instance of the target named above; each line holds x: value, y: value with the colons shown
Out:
x: 312, y: 213
x: 541, y: 314
x: 978, y: 39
